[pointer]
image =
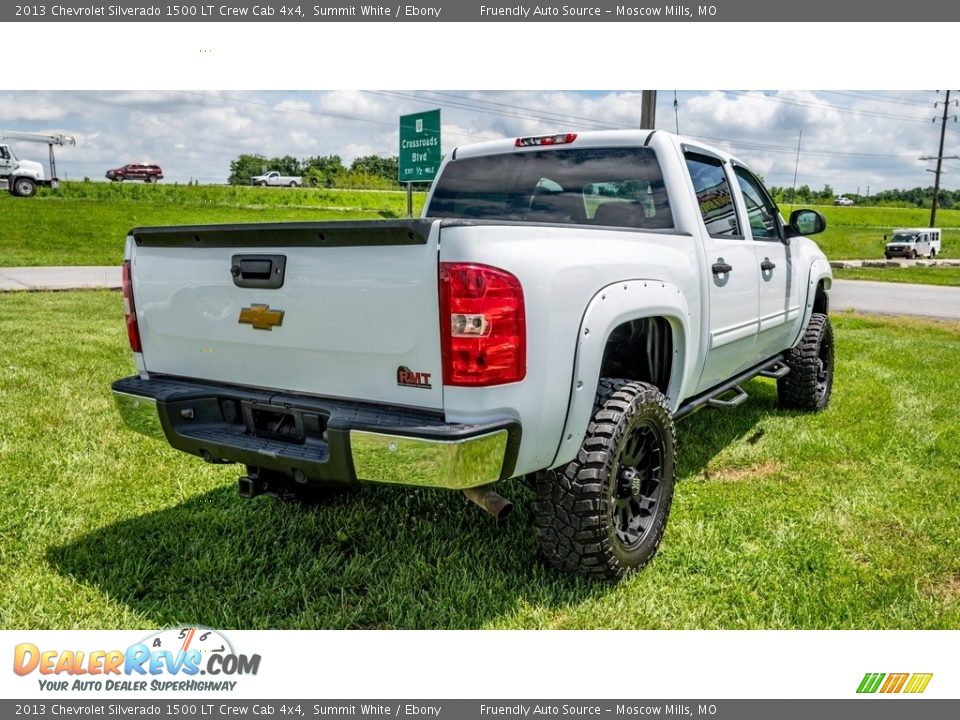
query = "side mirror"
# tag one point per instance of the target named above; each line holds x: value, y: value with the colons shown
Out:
x: 805, y: 222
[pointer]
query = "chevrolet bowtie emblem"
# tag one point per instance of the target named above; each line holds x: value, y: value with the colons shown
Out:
x: 261, y: 317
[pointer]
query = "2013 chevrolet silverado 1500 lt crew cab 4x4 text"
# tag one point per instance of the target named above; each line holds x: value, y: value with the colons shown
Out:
x: 562, y: 300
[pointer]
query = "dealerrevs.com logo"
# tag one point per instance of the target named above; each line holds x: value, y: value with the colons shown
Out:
x: 910, y: 683
x: 170, y: 660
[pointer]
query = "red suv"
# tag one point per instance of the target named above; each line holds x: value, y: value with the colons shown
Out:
x: 137, y: 171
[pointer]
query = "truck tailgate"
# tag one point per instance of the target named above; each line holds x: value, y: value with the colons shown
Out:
x: 356, y: 315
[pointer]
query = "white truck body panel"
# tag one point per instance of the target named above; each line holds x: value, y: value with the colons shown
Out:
x: 352, y: 315
x: 10, y: 165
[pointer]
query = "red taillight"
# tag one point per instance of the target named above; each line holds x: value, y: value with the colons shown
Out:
x: 130, y: 309
x: 561, y: 139
x: 482, y: 325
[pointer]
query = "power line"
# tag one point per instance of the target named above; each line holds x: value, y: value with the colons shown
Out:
x: 822, y: 106
x: 879, y: 98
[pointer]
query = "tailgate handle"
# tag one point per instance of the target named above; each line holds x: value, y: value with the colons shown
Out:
x: 264, y: 272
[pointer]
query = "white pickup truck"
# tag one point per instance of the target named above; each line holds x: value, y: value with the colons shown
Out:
x: 560, y: 303
x: 275, y: 179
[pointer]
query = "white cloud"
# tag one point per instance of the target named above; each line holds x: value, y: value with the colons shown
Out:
x: 850, y: 139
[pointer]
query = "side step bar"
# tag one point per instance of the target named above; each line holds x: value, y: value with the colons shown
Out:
x: 771, y: 368
x: 740, y: 395
x: 776, y: 372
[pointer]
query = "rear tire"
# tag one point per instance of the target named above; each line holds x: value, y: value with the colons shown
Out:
x: 933, y: 253
x: 151, y: 179
x: 809, y: 383
x: 604, y: 514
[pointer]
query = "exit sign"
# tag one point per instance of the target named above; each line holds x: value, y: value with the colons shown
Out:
x: 419, y: 146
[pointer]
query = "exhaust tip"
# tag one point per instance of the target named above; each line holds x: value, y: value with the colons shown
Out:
x: 489, y: 500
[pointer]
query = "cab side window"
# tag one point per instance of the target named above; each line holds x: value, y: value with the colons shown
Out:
x: 713, y: 196
x: 761, y: 212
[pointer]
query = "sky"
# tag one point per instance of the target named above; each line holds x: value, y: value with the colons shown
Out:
x: 854, y: 141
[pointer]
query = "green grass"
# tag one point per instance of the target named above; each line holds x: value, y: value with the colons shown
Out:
x: 921, y: 275
x: 856, y: 233
x: 87, y: 223
x: 844, y: 519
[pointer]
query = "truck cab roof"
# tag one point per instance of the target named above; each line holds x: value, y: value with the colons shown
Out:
x: 590, y: 138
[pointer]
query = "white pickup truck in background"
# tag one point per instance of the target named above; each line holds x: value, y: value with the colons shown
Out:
x: 563, y: 300
x: 275, y: 179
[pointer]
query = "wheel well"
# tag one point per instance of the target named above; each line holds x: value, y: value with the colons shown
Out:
x: 821, y: 301
x: 640, y: 349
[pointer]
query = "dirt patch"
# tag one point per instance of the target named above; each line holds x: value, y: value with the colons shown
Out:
x: 741, y: 474
x: 948, y: 590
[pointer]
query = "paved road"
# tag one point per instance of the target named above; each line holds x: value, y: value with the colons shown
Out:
x: 896, y: 298
x: 860, y: 295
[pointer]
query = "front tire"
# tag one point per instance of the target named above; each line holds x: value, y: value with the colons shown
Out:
x: 809, y: 383
x: 24, y: 187
x: 604, y: 514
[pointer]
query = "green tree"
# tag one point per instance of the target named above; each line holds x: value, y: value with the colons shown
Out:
x: 322, y: 171
x: 385, y: 167
x: 245, y: 167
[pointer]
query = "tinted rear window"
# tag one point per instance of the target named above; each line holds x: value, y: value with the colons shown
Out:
x: 620, y: 187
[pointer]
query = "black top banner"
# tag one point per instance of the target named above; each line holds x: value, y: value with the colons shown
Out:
x: 480, y: 11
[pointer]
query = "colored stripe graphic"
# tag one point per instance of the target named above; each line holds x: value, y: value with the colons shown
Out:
x: 870, y: 682
x: 895, y: 682
x: 918, y: 683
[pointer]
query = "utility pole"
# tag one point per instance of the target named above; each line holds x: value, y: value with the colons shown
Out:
x: 648, y: 109
x: 676, y: 111
x: 939, y: 159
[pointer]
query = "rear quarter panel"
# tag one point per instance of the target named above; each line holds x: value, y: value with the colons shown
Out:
x: 561, y: 269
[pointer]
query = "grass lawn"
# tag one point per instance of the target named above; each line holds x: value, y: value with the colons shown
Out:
x: 856, y: 233
x: 921, y: 275
x: 87, y: 223
x: 845, y: 519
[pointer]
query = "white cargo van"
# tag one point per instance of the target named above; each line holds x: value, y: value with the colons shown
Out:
x: 913, y: 243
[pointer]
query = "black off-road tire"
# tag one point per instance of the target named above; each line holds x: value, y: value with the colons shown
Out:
x: 603, y: 515
x: 810, y: 381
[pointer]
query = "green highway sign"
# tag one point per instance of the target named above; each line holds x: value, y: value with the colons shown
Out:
x: 419, y: 146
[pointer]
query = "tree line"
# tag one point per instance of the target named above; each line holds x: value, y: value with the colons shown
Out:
x: 920, y: 197
x: 369, y: 172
